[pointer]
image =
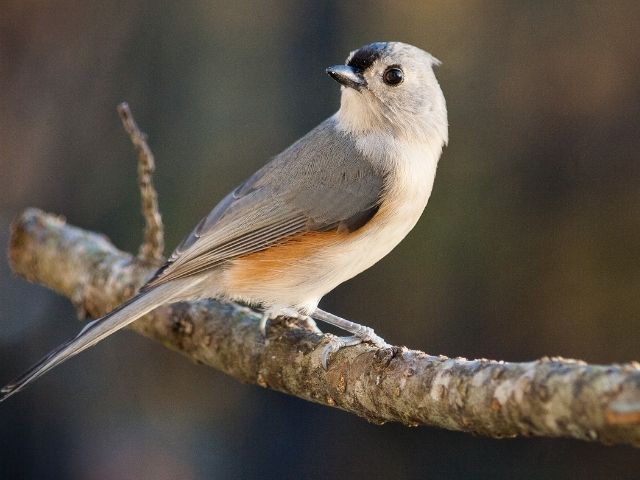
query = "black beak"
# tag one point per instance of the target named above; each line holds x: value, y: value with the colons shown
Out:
x: 348, y: 76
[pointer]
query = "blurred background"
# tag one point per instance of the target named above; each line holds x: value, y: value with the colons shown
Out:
x: 528, y: 247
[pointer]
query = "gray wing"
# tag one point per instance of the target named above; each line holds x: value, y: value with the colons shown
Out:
x: 320, y: 183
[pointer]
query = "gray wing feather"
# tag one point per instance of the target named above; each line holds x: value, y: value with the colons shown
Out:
x: 320, y: 183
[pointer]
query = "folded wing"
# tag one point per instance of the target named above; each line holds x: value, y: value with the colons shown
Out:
x: 321, y: 182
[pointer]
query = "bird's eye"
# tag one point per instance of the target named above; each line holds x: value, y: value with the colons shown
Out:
x: 393, y: 76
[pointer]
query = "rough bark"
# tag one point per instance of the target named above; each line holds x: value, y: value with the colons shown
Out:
x: 549, y: 397
x: 153, y: 243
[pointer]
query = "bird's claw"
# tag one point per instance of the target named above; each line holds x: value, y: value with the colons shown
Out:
x: 308, y: 322
x: 336, y: 343
x: 263, y: 324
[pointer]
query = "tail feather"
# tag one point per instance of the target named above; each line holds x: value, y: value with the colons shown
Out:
x: 93, y: 332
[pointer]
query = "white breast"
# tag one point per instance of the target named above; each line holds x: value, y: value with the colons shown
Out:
x: 408, y: 190
x: 408, y: 187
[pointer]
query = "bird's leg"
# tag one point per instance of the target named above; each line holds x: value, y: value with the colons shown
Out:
x: 361, y: 333
x: 276, y: 311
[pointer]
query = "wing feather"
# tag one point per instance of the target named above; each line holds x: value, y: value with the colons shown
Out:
x: 321, y: 182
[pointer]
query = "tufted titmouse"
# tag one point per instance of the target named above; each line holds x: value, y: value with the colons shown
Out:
x: 328, y: 207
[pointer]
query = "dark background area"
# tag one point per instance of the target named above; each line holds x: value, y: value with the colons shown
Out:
x: 528, y: 247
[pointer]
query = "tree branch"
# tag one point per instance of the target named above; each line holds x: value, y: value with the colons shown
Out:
x: 153, y: 241
x: 549, y: 397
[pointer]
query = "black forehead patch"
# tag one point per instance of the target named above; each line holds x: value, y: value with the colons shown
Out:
x: 364, y: 57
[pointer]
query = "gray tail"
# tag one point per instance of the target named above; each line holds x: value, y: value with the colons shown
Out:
x: 91, y: 334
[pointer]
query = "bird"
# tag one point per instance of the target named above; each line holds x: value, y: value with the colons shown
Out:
x: 328, y: 207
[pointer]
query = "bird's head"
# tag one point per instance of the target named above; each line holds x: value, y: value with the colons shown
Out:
x: 390, y: 87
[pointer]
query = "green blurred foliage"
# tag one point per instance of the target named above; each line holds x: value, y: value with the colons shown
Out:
x: 529, y: 245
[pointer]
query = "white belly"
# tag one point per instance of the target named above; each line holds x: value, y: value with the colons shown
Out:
x: 407, y: 194
x: 408, y: 191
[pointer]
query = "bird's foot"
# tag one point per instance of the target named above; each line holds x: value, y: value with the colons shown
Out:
x: 288, y: 312
x: 360, y: 333
x: 309, y: 324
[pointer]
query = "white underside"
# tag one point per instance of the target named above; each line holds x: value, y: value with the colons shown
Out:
x: 302, y: 285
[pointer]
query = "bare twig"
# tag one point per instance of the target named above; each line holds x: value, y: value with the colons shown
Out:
x: 548, y: 397
x: 152, y: 247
